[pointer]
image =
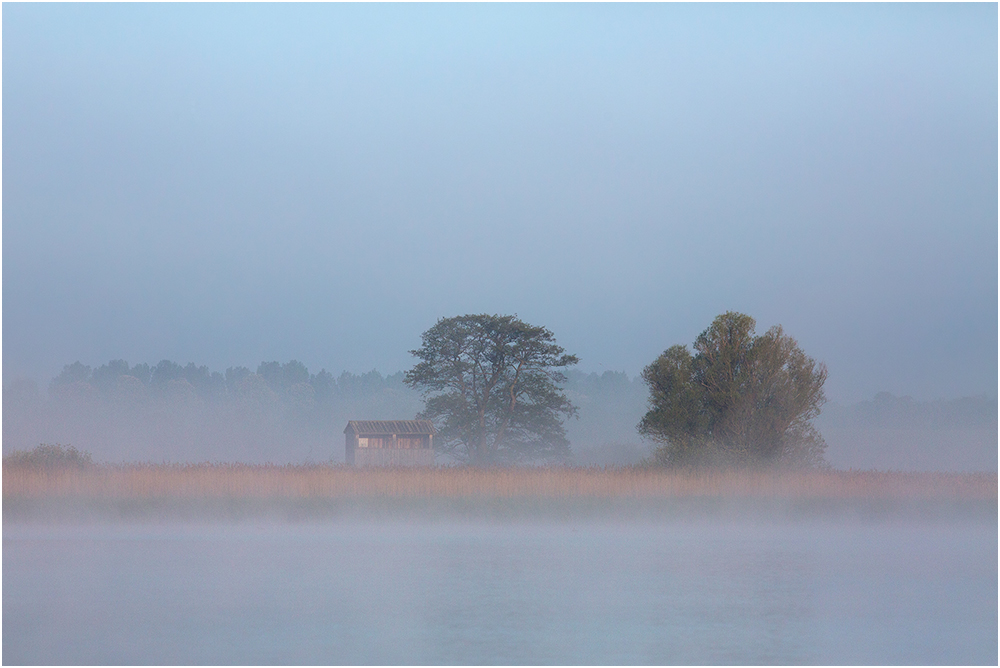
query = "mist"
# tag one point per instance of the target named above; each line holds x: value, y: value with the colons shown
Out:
x: 228, y: 225
x: 322, y: 183
x: 283, y: 413
x: 588, y: 592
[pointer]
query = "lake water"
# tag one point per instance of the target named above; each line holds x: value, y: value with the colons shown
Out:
x: 514, y: 592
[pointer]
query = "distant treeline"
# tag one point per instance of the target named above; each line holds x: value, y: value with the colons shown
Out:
x: 901, y: 433
x: 278, y: 413
x: 289, y: 378
x: 282, y: 413
x: 886, y: 411
x: 120, y: 412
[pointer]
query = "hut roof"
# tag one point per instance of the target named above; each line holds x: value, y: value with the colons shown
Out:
x: 373, y: 427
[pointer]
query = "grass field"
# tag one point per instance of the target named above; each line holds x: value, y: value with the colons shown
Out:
x: 249, y: 489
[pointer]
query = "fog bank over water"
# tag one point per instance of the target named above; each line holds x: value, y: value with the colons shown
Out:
x: 283, y: 413
x: 528, y: 592
x: 218, y: 184
x: 900, y: 433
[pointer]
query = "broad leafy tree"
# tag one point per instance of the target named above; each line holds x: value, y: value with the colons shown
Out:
x: 739, y: 399
x: 491, y: 384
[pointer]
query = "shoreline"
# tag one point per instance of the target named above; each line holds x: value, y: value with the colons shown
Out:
x: 237, y: 493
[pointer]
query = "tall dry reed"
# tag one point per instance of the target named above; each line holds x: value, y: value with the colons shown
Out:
x: 239, y: 481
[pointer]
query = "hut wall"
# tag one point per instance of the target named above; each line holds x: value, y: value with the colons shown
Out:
x: 412, y: 442
x: 393, y: 457
x: 350, y: 447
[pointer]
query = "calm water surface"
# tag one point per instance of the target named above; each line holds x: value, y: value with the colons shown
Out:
x: 573, y: 592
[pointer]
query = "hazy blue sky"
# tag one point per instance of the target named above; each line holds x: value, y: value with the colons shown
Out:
x: 226, y: 184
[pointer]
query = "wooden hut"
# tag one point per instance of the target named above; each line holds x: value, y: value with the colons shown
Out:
x: 389, y: 443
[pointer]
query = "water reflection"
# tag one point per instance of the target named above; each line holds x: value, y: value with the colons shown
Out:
x: 579, y: 592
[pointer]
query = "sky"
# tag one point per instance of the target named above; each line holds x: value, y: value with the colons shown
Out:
x: 230, y: 184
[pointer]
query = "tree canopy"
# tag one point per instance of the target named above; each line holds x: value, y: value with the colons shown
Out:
x: 740, y: 399
x: 491, y: 384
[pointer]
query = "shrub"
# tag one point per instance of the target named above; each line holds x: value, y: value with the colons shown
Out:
x: 50, y: 456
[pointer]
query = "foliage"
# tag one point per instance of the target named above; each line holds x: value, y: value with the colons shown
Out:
x: 491, y: 385
x: 72, y: 373
x: 118, y: 412
x: 739, y: 400
x: 50, y: 456
x: 283, y: 376
x: 610, y: 404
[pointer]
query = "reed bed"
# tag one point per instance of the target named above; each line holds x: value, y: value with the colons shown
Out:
x: 270, y: 482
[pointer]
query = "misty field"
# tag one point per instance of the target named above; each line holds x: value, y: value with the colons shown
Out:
x: 238, y: 489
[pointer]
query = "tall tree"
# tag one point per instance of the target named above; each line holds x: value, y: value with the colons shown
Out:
x: 491, y: 383
x: 741, y: 399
